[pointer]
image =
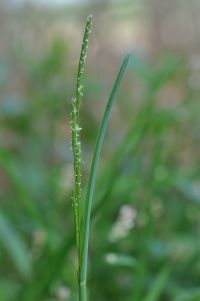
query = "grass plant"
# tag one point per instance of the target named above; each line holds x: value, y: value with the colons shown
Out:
x: 82, y: 218
x: 150, y: 166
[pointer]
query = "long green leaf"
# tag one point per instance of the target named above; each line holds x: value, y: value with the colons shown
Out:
x: 193, y: 295
x: 92, y: 175
x: 158, y: 285
x: 15, y: 247
x: 7, y: 164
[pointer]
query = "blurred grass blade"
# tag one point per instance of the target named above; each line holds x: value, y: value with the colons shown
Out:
x: 8, y: 289
x: 92, y: 176
x: 7, y: 164
x: 15, y: 247
x: 158, y: 286
x: 120, y: 260
x: 193, y: 295
x: 44, y: 277
x: 188, y: 189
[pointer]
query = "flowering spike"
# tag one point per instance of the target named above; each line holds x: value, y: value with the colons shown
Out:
x: 79, y: 87
x: 75, y: 129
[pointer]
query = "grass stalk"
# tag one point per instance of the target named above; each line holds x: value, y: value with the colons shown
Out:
x: 82, y: 219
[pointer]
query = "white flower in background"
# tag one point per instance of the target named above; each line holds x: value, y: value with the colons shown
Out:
x: 63, y: 293
x: 124, y: 223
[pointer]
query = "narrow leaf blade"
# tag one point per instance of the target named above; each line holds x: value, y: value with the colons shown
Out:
x: 93, y: 170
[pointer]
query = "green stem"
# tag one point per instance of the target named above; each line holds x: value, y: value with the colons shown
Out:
x: 82, y: 291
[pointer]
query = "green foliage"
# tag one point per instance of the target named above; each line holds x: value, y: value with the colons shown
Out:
x: 148, y: 182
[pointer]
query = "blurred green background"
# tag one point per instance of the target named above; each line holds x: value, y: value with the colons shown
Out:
x: 145, y: 236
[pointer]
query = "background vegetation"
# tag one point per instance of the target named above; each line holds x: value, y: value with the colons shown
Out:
x: 146, y: 221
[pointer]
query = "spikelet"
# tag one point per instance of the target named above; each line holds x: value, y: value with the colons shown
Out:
x: 79, y: 86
